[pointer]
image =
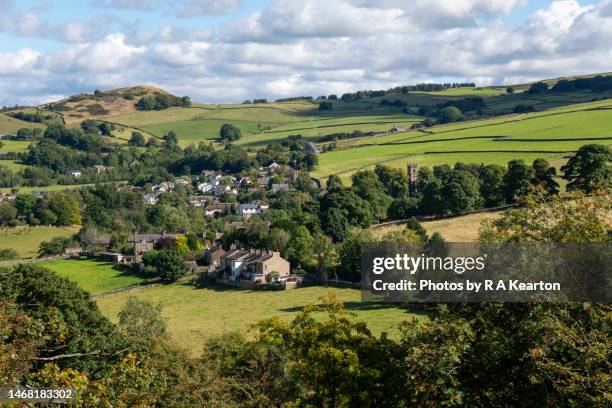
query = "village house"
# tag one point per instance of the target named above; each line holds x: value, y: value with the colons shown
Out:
x: 213, y: 257
x: 163, y: 187
x: 220, y: 190
x: 102, y: 169
x: 280, y: 187
x: 150, y: 199
x: 146, y: 242
x: 213, y: 210
x: 198, y: 201
x: 247, y: 210
x: 74, y: 173
x: 181, y: 182
x: 311, y: 148
x: 253, y: 265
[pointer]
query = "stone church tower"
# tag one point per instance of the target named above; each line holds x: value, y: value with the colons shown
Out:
x: 413, y: 174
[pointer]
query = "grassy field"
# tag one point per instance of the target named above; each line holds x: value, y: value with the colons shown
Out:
x: 10, y: 126
x: 14, y: 145
x: 26, y: 240
x: 194, y: 315
x: 458, y: 229
x: 552, y: 135
x: 94, y: 276
x: 54, y: 187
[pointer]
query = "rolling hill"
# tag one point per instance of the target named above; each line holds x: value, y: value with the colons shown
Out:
x: 561, y: 123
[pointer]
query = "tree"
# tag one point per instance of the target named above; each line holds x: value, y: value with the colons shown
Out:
x: 517, y: 180
x: 168, y: 264
x: 537, y: 88
x: 326, y: 106
x: 510, y: 90
x: 521, y: 108
x: 66, y: 320
x: 544, y: 176
x: 460, y: 193
x: 55, y: 246
x: 137, y: 139
x: 66, y: 208
x: 414, y: 225
x: 300, y: 246
x: 589, y: 169
x: 367, y: 186
x: 25, y: 204
x: 8, y: 214
x: 334, y: 183
x: 450, y: 114
x: 491, y: 178
x: 350, y: 254
x: 229, y: 132
x: 336, y: 224
x: 403, y: 207
x: 141, y: 322
x: 325, y: 254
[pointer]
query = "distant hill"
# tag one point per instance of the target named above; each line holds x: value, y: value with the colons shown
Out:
x: 79, y: 107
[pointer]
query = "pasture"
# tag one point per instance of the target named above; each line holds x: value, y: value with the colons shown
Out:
x: 94, y: 276
x: 464, y: 228
x: 195, y: 315
x: 26, y: 240
x: 10, y: 126
x: 553, y: 135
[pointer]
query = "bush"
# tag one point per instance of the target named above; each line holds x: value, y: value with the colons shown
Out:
x: 450, y: 114
x: 523, y: 109
x: 7, y: 254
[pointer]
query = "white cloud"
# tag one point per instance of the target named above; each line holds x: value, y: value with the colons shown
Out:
x: 313, y: 47
x: 194, y: 8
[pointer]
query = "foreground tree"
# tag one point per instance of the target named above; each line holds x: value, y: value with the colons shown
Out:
x: 590, y: 169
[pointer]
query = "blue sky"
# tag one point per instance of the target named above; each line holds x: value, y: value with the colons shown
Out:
x: 230, y: 50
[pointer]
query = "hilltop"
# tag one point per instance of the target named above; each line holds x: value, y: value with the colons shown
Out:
x: 81, y: 106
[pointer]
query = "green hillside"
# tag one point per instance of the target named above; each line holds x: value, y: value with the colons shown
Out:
x: 552, y: 134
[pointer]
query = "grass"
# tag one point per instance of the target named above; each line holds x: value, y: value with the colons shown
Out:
x: 194, y: 315
x: 54, y: 187
x: 458, y: 229
x: 94, y: 276
x: 14, y: 145
x: 10, y: 126
x: 13, y: 165
x: 26, y: 240
x: 552, y: 135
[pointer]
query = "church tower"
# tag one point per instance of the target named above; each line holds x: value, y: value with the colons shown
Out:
x: 413, y: 174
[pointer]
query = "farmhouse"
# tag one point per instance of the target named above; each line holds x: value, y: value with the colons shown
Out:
x: 253, y: 265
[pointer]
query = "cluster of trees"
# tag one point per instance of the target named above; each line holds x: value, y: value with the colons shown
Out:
x: 295, y: 99
x: 326, y: 106
x: 597, y: 83
x: 489, y: 354
x: 288, y: 152
x: 34, y: 117
x: 54, y: 209
x: 521, y: 108
x: 453, y: 111
x: 333, y: 137
x: 162, y: 101
x: 427, y: 87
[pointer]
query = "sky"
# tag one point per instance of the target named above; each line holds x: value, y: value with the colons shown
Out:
x: 231, y: 50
